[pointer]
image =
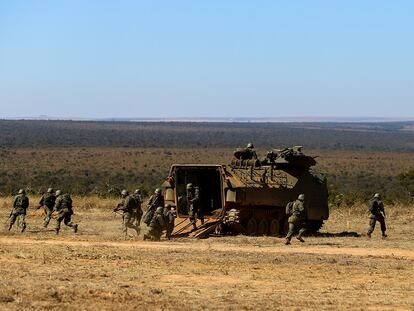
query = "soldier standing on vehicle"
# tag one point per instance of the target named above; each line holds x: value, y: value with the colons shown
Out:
x: 296, y: 220
x: 169, y: 215
x: 20, y: 206
x: 155, y: 201
x: 251, y: 150
x: 128, y: 207
x: 48, y: 201
x: 193, y: 201
x: 157, y: 225
x: 64, y: 207
x: 138, y: 204
x: 376, y: 208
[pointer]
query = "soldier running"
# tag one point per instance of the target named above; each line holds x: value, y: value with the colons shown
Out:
x: 296, y: 220
x: 376, y: 208
x: 64, y: 207
x: 193, y: 201
x: 20, y: 206
x: 138, y: 210
x: 48, y: 201
x: 128, y: 207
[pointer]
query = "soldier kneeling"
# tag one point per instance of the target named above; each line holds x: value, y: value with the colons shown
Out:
x: 157, y: 225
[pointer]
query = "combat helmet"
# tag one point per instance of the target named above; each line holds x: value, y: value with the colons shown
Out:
x: 250, y: 146
x: 189, y: 186
x: 124, y: 193
x: 58, y: 192
x: 21, y: 191
x: 158, y: 191
x: 50, y: 190
x: 301, y: 197
x: 377, y: 196
x: 137, y: 191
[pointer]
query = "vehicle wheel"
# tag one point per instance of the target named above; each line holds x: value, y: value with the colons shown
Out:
x: 263, y: 227
x: 251, y: 226
x: 274, y: 227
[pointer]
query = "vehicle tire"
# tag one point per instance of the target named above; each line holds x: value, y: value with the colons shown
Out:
x: 251, y: 226
x: 263, y: 227
x: 274, y: 228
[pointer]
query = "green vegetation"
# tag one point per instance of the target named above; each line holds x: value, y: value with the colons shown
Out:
x: 103, y: 157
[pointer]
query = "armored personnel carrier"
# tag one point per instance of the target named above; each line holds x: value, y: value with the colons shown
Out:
x: 249, y: 195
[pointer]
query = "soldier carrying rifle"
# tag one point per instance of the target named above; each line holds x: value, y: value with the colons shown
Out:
x: 155, y: 201
x: 376, y: 208
x: 20, y: 206
x: 128, y: 208
x: 48, y: 201
x: 193, y: 202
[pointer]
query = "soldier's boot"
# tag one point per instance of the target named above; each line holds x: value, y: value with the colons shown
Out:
x: 10, y: 226
x: 138, y: 230
x: 57, y: 231
x: 146, y: 237
x: 384, y: 235
x: 287, y: 241
x: 75, y: 228
x: 369, y: 234
x: 23, y: 227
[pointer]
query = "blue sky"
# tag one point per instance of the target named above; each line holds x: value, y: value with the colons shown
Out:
x: 211, y: 58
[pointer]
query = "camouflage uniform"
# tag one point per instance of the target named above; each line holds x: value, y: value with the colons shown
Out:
x: 157, y: 225
x: 296, y: 221
x: 138, y: 210
x: 194, y: 210
x: 20, y: 206
x: 48, y: 201
x: 251, y: 152
x: 63, y: 206
x: 169, y: 216
x: 128, y: 207
x: 376, y: 209
x: 155, y: 201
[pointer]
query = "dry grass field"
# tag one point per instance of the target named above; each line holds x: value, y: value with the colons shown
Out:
x: 98, y: 269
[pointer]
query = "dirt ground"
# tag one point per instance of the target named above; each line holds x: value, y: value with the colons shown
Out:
x: 98, y: 269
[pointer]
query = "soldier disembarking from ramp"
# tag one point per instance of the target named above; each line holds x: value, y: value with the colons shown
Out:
x: 20, y: 206
x: 157, y: 225
x: 194, y: 208
x: 155, y: 201
x: 48, y: 200
x: 296, y: 220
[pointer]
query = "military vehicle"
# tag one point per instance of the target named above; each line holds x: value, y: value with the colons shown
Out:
x: 249, y: 195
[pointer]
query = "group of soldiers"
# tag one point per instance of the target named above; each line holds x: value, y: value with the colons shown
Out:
x: 160, y: 217
x: 297, y: 216
x: 52, y: 202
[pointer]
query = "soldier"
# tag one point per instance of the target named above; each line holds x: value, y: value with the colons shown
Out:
x: 296, y: 220
x: 63, y: 206
x: 48, y: 201
x: 138, y: 210
x: 376, y: 209
x: 20, y: 206
x: 169, y: 215
x: 251, y: 150
x: 157, y: 225
x: 193, y: 201
x: 155, y: 201
x: 128, y: 207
